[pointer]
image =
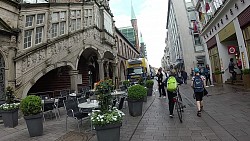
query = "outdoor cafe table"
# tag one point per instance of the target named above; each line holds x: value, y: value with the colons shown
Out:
x: 74, y: 95
x: 89, y: 105
x: 118, y: 93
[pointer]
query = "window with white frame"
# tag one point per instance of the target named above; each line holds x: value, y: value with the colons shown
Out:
x: 88, y: 15
x: 40, y: 19
x: 108, y: 22
x: 39, y: 35
x: 27, y: 38
x: 33, y: 30
x: 29, y: 20
x: 58, y: 24
x: 75, y: 20
x: 62, y: 28
x: 54, y: 30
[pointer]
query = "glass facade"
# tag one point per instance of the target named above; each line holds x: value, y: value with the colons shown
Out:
x: 129, y: 33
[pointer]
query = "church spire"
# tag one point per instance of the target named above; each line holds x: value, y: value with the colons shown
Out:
x: 132, y: 12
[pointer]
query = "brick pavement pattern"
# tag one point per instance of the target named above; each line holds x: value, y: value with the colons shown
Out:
x: 225, y: 117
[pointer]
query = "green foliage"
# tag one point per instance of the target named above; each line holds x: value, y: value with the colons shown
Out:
x: 137, y: 92
x: 217, y: 72
x: 149, y: 83
x: 31, y: 105
x: 104, y: 89
x: 110, y: 117
x: 246, y: 71
x: 9, y: 107
x: 126, y: 83
x: 106, y: 115
x: 9, y: 95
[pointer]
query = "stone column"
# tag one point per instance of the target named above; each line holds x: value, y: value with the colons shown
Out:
x: 73, y: 80
x: 107, y: 69
x: 101, y: 69
x: 115, y: 74
x: 11, y: 67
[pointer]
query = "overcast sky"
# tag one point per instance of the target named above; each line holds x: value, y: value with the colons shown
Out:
x: 151, y: 17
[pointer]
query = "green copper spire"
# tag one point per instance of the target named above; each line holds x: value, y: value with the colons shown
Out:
x: 132, y: 12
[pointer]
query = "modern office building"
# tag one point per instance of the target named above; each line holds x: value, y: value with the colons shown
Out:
x: 129, y: 33
x: 225, y: 30
x: 184, y: 49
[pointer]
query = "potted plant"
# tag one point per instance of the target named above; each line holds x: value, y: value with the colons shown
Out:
x: 149, y: 84
x: 136, y: 94
x: 9, y: 109
x: 107, y: 120
x: 246, y: 78
x: 31, y: 107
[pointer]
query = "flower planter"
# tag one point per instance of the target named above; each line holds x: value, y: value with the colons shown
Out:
x: 150, y: 91
x: 110, y: 132
x: 34, y: 124
x: 135, y: 107
x: 246, y: 80
x: 10, y: 118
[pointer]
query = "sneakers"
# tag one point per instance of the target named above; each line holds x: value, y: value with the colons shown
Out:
x: 211, y: 85
x: 207, y: 86
x: 199, y: 113
x: 171, y: 116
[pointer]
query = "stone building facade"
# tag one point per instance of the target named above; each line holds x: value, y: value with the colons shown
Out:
x: 55, y: 46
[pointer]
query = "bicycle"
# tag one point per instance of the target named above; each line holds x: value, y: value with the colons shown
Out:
x: 179, y: 106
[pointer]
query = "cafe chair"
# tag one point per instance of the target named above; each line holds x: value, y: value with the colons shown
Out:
x: 47, y: 108
x: 73, y: 111
x: 81, y: 100
x: 56, y: 108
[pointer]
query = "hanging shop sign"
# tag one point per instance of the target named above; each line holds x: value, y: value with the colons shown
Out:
x: 231, y: 49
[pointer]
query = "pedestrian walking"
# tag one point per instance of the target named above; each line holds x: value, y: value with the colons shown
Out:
x: 207, y: 75
x: 161, y: 83
x: 231, y: 68
x: 197, y: 84
x: 192, y: 72
x: 239, y: 65
x: 184, y: 76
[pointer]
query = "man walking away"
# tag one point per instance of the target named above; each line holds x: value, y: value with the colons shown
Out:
x: 197, y: 84
x: 207, y: 75
x: 160, y: 83
x: 184, y: 76
x: 231, y: 68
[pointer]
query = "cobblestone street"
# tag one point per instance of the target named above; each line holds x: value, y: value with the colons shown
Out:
x: 225, y: 117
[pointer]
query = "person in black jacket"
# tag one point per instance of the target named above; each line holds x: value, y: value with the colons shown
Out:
x: 161, y: 83
x: 184, y: 76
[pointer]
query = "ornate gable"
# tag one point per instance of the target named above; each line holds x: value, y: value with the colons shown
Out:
x: 4, y: 26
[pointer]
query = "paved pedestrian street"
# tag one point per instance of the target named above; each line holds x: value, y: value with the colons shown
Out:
x: 225, y: 117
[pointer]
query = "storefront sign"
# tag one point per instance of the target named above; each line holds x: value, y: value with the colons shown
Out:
x: 226, y: 32
x: 231, y: 49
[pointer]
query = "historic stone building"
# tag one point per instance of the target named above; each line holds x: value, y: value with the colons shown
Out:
x: 55, y: 46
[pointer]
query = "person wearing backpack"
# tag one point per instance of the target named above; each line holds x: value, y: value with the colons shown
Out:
x: 172, y: 84
x: 197, y: 84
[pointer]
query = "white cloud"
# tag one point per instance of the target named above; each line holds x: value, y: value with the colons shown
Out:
x: 151, y: 17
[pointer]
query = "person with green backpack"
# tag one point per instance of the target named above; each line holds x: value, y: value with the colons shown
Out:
x: 172, y: 84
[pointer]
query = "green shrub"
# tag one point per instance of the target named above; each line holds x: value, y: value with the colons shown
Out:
x: 126, y: 83
x: 31, y: 105
x: 149, y: 83
x: 218, y: 72
x: 246, y: 71
x: 137, y: 92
